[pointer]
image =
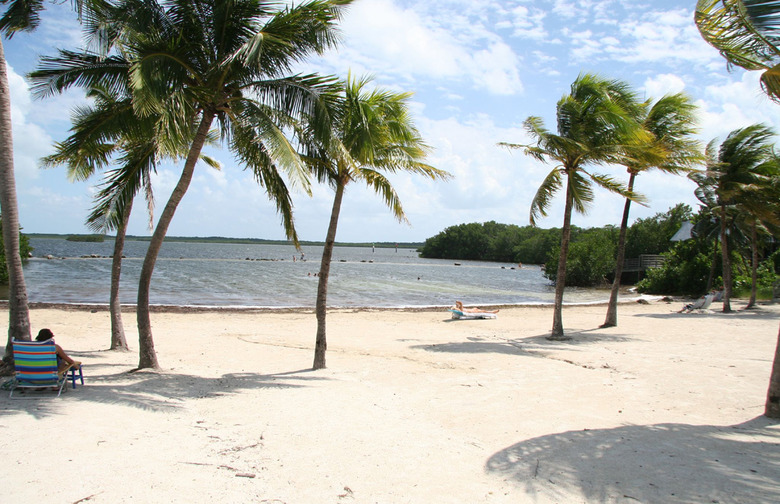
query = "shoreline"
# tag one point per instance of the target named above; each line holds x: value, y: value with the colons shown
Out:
x: 184, y: 308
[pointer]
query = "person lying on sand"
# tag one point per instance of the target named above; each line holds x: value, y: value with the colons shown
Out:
x: 460, y: 307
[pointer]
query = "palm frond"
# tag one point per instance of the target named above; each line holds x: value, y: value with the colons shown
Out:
x: 382, y: 186
x: 87, y: 70
x: 746, y: 33
x: 541, y: 201
x: 21, y: 15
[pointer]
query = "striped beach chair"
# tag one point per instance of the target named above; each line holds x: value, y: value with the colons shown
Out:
x: 36, y: 366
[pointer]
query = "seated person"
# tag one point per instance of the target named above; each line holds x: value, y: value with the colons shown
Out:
x: 64, y: 362
x: 460, y: 308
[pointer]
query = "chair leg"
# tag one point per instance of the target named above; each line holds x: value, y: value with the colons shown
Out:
x: 73, y: 376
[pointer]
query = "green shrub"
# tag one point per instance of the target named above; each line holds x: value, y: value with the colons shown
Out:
x: 24, y: 249
x: 591, y: 259
x: 684, y: 272
x: 766, y: 279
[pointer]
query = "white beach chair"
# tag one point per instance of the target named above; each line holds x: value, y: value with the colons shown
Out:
x: 702, y: 303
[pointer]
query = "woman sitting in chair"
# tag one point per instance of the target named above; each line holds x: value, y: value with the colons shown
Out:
x: 64, y: 362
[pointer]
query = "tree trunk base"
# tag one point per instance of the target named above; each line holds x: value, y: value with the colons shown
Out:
x: 562, y: 337
x: 7, y: 368
x: 772, y: 407
x: 608, y: 324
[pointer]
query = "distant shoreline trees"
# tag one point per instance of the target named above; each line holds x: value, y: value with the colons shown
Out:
x: 688, y: 268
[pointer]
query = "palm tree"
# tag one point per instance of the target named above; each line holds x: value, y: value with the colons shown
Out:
x: 747, y: 34
x: 110, y: 130
x: 707, y: 225
x: 759, y: 212
x: 99, y: 132
x: 21, y: 15
x: 670, y: 123
x: 196, y: 62
x: 735, y: 167
x: 372, y: 134
x: 597, y: 121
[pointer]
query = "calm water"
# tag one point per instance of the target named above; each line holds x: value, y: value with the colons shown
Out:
x: 216, y: 274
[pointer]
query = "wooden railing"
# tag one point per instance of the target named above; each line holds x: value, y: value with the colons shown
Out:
x: 643, y: 262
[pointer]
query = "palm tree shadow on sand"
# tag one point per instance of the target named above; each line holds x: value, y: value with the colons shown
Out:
x: 155, y: 391
x: 660, y: 463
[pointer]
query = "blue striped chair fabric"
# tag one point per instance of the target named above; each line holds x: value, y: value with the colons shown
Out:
x: 36, y: 366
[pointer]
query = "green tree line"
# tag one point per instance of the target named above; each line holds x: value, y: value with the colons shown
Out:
x: 691, y: 267
x: 592, y: 254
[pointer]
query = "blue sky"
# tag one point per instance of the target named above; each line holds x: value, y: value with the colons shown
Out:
x: 477, y: 71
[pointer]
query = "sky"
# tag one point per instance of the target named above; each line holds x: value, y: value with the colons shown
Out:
x: 477, y: 71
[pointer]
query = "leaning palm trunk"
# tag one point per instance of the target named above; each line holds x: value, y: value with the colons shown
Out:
x: 18, y: 312
x: 724, y: 250
x: 772, y: 409
x: 321, y: 344
x: 118, y: 340
x: 560, y: 277
x: 713, y: 264
x: 611, y: 319
x: 147, y: 357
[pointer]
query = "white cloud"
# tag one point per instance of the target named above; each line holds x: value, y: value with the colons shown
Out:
x: 31, y: 141
x: 528, y: 24
x: 664, y: 84
x: 499, y: 70
x: 382, y: 38
x: 736, y: 104
x: 664, y: 37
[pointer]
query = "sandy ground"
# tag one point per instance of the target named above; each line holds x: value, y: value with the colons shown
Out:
x: 413, y: 408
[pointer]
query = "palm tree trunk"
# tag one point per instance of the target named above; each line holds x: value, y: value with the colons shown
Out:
x: 560, y: 278
x: 18, y: 311
x: 147, y: 357
x: 753, y: 266
x: 724, y: 250
x: 611, y: 319
x: 118, y: 340
x: 321, y: 344
x: 713, y: 264
x: 772, y: 409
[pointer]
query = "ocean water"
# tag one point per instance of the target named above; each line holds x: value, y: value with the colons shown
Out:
x: 278, y: 276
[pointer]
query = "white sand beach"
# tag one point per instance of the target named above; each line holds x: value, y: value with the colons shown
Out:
x: 413, y: 408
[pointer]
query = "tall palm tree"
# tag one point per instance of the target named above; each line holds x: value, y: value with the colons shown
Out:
x: 734, y: 167
x: 197, y: 62
x: 597, y: 121
x: 21, y: 15
x: 747, y: 34
x: 671, y: 148
x: 99, y: 133
x: 372, y: 134
x: 109, y: 130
